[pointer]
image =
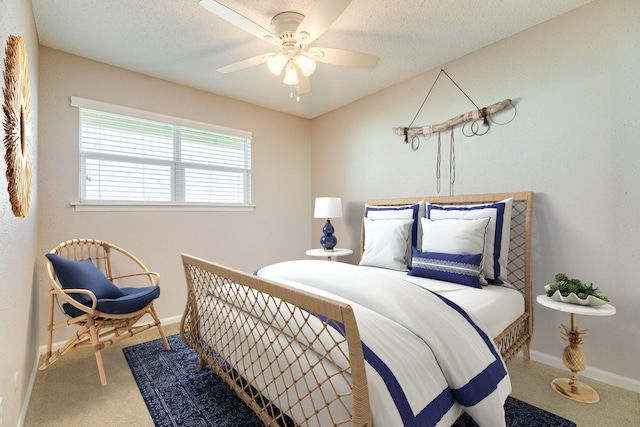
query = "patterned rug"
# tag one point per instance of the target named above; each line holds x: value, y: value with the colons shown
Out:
x: 177, y: 394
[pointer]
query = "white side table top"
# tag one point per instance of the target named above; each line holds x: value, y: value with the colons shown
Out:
x: 334, y: 252
x: 600, y: 310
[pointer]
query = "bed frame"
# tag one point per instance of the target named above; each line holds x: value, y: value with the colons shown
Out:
x: 214, y: 288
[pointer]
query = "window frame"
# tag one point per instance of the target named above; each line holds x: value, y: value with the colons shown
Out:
x: 82, y: 205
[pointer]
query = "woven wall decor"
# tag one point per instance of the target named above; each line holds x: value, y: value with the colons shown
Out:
x: 17, y: 125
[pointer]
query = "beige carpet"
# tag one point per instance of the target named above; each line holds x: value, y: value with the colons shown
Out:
x: 69, y: 393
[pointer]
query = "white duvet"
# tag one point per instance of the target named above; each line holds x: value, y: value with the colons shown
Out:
x: 425, y: 357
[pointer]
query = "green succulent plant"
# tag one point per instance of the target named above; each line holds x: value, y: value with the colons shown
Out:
x: 567, y: 286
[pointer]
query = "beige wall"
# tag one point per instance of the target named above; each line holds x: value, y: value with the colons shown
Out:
x: 278, y: 228
x: 18, y: 242
x: 574, y: 141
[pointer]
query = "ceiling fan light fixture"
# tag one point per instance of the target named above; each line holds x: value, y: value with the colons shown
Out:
x: 276, y: 63
x: 291, y: 75
x: 293, y: 33
x: 307, y: 65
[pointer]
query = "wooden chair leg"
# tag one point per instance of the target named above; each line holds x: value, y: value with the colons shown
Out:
x: 70, y: 344
x: 97, y: 348
x: 52, y: 298
x: 152, y: 310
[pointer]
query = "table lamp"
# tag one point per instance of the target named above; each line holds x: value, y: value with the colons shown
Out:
x: 328, y: 207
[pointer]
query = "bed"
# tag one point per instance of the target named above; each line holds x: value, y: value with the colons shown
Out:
x: 318, y: 343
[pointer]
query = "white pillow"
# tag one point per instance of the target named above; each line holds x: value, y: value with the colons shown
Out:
x: 387, y: 243
x: 414, y: 211
x: 496, y: 254
x: 454, y: 236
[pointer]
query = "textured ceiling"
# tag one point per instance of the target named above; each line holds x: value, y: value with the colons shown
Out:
x: 180, y: 41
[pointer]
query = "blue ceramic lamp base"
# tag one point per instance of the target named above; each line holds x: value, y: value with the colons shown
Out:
x: 328, y: 240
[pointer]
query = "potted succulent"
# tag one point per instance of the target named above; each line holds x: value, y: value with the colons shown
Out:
x: 573, y: 291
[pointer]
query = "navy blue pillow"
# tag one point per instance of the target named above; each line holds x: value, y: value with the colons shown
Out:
x: 83, y: 275
x: 456, y: 268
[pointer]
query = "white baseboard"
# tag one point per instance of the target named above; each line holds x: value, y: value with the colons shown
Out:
x: 593, y: 373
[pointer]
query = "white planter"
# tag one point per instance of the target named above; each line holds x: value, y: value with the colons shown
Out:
x: 572, y: 298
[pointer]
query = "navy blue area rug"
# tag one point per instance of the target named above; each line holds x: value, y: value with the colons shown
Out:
x: 177, y: 394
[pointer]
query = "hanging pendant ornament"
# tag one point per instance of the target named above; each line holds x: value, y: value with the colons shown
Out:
x: 475, y: 117
x: 479, y: 114
x: 438, y: 161
x: 452, y: 164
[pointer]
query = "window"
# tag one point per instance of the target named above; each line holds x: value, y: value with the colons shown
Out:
x: 134, y: 160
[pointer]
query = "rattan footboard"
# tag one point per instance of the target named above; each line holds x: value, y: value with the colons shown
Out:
x: 245, y: 328
x: 516, y: 337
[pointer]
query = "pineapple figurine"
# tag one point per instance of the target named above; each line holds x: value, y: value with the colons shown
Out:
x: 573, y: 357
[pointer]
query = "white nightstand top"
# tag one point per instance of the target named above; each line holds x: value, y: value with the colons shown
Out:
x: 334, y: 252
x: 601, y: 310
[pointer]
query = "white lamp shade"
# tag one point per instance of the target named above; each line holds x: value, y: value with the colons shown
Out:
x: 307, y: 65
x: 328, y: 207
x: 276, y: 63
x: 291, y: 75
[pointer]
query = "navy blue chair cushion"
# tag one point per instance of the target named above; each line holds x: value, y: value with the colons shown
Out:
x: 110, y: 298
x: 133, y: 300
x: 83, y: 275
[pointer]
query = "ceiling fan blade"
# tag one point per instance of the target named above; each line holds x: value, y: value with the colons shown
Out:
x: 320, y: 17
x: 245, y: 63
x: 345, y: 58
x: 233, y: 17
x: 304, y: 86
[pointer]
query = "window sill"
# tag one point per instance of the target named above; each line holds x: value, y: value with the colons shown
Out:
x: 158, y: 207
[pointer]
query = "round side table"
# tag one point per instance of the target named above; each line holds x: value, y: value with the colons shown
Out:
x: 329, y: 254
x: 573, y: 357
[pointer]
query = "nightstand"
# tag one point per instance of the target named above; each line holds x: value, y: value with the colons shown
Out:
x: 573, y: 357
x: 336, y: 252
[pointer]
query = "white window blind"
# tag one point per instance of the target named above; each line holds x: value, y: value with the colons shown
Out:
x: 130, y: 159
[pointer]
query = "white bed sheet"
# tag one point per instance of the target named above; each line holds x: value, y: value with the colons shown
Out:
x: 494, y: 307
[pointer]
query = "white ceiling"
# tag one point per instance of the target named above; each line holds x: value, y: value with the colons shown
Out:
x: 180, y: 41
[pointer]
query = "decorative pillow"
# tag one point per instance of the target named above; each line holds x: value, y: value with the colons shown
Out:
x: 415, y: 212
x: 454, y: 236
x: 83, y: 275
x: 387, y: 243
x: 496, y: 254
x: 457, y: 268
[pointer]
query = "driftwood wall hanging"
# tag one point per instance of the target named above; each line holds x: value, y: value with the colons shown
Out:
x: 474, y: 123
x: 17, y: 125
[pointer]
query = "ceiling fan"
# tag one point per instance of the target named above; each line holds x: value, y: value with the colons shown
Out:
x: 293, y: 32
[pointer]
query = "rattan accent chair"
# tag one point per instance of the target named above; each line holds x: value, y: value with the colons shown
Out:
x: 81, y: 274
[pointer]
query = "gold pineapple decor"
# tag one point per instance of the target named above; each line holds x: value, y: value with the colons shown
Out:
x: 573, y: 357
